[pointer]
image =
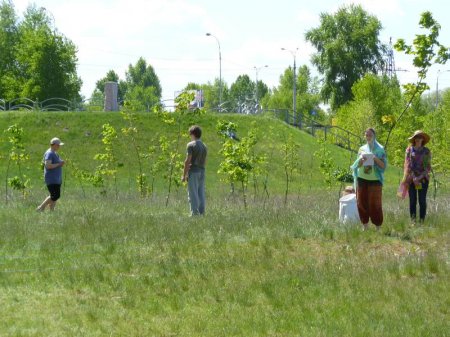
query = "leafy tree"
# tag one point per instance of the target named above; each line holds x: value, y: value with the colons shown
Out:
x: 130, y: 118
x: 373, y: 97
x: 356, y: 116
x: 308, y: 98
x: 193, y: 86
x: 348, y: 47
x: 108, y: 161
x: 262, y: 90
x: 426, y: 51
x: 291, y: 162
x: 46, y: 59
x: 211, y: 96
x: 142, y: 99
x: 143, y: 75
x: 239, y: 159
x: 18, y: 156
x: 8, y: 42
x: 242, y: 93
x: 437, y: 123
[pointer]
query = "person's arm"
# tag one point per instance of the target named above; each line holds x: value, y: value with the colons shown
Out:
x: 428, y: 163
x: 380, y: 163
x: 187, y: 165
x: 406, y: 165
x: 48, y: 162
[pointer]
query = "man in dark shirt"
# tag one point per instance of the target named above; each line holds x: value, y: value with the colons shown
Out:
x: 194, y: 170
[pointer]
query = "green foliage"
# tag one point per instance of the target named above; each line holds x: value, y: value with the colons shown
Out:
x: 291, y: 162
x: 18, y: 156
x: 226, y: 128
x: 9, y: 38
x: 426, y: 51
x: 308, y: 97
x: 343, y: 175
x: 108, y: 161
x: 36, y: 60
x: 140, y: 98
x: 96, y: 102
x: 21, y: 184
x: 326, y: 165
x: 183, y: 103
x: 239, y: 159
x: 169, y: 162
x: 211, y: 95
x: 143, y: 75
x: 348, y: 47
x: 132, y: 132
x: 356, y: 116
x: 437, y: 124
x: 242, y: 92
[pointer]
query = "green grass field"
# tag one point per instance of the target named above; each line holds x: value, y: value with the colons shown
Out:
x: 101, y: 266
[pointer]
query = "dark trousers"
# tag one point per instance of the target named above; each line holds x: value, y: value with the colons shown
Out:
x: 55, y: 191
x: 368, y: 198
x: 422, y: 193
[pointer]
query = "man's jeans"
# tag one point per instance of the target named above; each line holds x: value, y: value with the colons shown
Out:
x: 196, y: 192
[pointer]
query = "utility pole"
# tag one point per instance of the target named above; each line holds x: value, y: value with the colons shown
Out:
x: 220, y: 71
x: 256, y: 84
x: 294, y: 91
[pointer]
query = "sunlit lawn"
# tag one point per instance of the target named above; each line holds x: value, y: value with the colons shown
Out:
x: 132, y: 267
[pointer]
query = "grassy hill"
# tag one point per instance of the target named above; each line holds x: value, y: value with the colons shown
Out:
x: 81, y: 132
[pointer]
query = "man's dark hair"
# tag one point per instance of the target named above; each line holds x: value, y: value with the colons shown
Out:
x: 371, y: 130
x: 196, y: 131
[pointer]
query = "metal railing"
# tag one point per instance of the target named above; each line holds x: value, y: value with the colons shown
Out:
x: 50, y: 104
x: 329, y: 133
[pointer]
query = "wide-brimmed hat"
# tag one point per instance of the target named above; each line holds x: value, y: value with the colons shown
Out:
x: 56, y: 141
x: 425, y: 137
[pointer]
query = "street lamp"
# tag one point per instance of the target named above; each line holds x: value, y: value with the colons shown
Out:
x: 256, y: 83
x: 294, y: 91
x: 437, y: 85
x: 220, y: 71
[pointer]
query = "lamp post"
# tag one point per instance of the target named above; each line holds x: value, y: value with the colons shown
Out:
x: 294, y: 91
x: 256, y: 83
x: 437, y: 85
x: 220, y: 71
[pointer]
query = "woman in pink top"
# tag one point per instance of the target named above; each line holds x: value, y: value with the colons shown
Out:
x: 416, y: 173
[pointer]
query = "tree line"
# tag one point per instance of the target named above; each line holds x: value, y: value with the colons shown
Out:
x: 38, y: 62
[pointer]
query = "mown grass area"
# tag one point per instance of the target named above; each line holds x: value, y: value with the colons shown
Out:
x: 132, y: 267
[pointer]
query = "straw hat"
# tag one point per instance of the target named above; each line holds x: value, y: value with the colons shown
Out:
x: 425, y: 137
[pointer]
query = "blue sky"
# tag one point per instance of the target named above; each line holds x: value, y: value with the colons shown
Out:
x: 171, y: 35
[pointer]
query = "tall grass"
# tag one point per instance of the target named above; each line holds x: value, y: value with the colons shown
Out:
x: 102, y: 267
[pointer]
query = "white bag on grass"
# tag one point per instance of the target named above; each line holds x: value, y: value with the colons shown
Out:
x: 348, y: 209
